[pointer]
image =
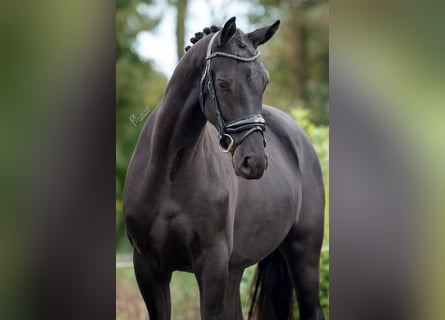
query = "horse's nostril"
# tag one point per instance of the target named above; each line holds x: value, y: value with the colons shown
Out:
x: 246, y: 162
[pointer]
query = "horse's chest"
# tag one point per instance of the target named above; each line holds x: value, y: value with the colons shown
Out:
x: 181, y: 223
x: 185, y: 214
x: 171, y: 241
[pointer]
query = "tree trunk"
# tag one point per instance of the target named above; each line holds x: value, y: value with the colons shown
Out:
x: 181, y: 9
x: 297, y: 27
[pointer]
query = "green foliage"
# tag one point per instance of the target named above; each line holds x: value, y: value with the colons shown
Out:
x: 246, y: 288
x: 298, y: 56
x: 324, y: 283
x: 130, y: 20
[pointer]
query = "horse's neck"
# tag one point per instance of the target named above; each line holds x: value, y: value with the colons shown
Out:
x: 180, y: 120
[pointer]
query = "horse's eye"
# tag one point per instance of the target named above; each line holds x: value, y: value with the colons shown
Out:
x: 223, y: 84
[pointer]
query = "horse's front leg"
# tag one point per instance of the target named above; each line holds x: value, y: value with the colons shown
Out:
x: 154, y: 286
x: 232, y: 310
x: 212, y: 275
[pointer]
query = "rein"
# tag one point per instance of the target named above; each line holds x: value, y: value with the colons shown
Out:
x: 249, y: 124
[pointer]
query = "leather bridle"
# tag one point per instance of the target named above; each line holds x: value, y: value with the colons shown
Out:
x: 249, y: 124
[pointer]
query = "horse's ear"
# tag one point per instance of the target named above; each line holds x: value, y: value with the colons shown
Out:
x: 260, y: 36
x: 228, y: 31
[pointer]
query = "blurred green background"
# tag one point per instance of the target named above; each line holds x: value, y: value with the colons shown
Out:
x: 297, y: 58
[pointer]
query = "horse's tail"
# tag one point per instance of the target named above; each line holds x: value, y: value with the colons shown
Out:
x: 271, y: 295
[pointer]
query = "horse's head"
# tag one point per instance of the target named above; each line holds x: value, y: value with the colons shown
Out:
x: 231, y: 93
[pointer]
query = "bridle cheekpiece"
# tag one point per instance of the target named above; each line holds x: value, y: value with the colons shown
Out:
x: 249, y: 124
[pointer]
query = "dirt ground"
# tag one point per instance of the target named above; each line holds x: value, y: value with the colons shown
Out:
x: 129, y: 304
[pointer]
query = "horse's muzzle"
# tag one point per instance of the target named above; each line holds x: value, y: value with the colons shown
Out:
x: 251, y: 166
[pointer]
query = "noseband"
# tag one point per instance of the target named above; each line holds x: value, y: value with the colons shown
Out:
x: 248, y: 124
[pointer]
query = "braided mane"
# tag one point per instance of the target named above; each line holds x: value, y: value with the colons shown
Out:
x: 199, y: 35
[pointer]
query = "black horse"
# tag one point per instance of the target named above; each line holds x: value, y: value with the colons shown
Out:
x: 202, y: 195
